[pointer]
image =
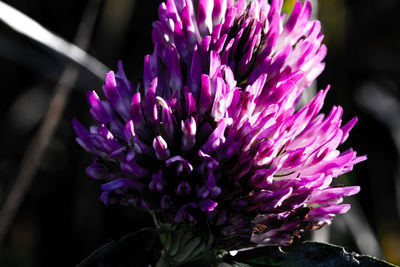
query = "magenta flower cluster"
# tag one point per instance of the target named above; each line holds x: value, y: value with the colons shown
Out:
x: 215, y: 132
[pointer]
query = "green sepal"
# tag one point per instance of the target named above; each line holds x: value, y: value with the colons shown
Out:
x: 185, y: 243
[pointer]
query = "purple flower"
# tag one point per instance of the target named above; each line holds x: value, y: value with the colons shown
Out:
x: 216, y: 133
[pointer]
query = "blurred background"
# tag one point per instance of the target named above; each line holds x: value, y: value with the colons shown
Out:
x: 60, y: 219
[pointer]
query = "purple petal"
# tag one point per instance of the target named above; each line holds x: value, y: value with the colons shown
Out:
x: 161, y: 148
x: 207, y: 205
x: 98, y: 109
x: 217, y: 137
x: 204, y: 103
x: 188, y: 133
x: 183, y: 188
x: 183, y: 166
x: 97, y: 171
x: 347, y: 128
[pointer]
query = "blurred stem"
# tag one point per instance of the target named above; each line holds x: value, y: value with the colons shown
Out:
x: 360, y: 229
x: 32, y: 29
x: 41, y: 139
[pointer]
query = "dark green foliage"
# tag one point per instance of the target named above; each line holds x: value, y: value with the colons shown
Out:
x: 137, y: 249
x: 144, y: 248
x: 304, y: 254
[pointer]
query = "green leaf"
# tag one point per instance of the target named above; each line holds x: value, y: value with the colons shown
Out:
x: 305, y: 254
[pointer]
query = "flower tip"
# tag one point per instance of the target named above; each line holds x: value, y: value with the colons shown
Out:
x: 343, y: 208
x: 77, y: 125
x: 92, y: 97
x: 347, y: 128
x: 308, y: 8
x: 120, y: 65
x: 110, y: 80
x: 161, y: 148
x: 104, y: 198
x: 362, y: 158
x: 356, y: 190
x: 277, y: 4
x: 327, y: 88
x: 74, y: 121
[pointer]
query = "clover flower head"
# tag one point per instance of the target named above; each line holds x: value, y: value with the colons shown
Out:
x: 215, y: 132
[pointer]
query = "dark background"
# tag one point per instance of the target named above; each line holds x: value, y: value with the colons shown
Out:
x: 61, y: 219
